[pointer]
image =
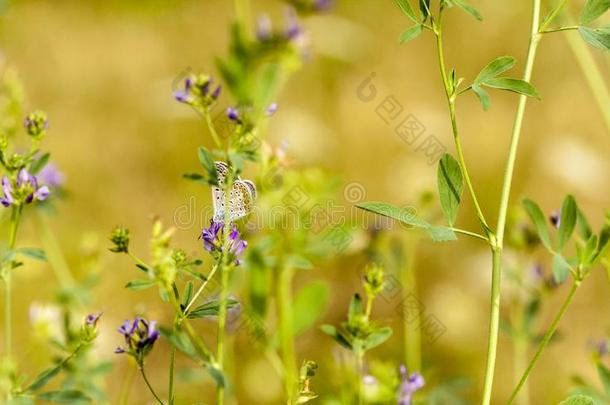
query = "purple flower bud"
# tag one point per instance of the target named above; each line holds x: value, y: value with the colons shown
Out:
x: 91, y: 319
x: 213, y: 240
x: 408, y: 386
x: 293, y: 29
x: 233, y: 114
x: 7, y: 190
x: 140, y: 336
x: 322, y: 5
x: 51, y: 176
x: 271, y: 109
x: 263, y: 28
x: 216, y: 93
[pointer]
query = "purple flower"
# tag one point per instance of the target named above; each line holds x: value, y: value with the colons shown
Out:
x: 293, y: 29
x: 140, y: 336
x: 213, y: 240
x: 233, y: 114
x: 51, y: 176
x: 197, y: 91
x: 263, y: 28
x: 408, y: 386
x: 91, y: 319
x: 271, y: 109
x: 24, y: 189
x: 322, y: 5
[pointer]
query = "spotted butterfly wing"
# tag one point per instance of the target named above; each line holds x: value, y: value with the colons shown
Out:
x: 242, y: 196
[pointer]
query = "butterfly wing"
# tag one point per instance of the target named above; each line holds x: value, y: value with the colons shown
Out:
x: 218, y: 195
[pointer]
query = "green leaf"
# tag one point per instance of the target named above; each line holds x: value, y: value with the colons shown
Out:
x: 424, y: 7
x: 593, y: 10
x: 211, y: 308
x: 411, y: 33
x: 207, y: 161
x: 469, y: 9
x: 569, y: 213
x: 188, y: 293
x: 39, y: 164
x: 603, y: 243
x: 194, y: 177
x: 179, y: 340
x: 494, y: 68
x: 336, y: 335
x: 578, y: 400
x: 583, y: 225
x: 308, y: 305
x: 217, y: 375
x: 138, y: 285
x: 377, y: 337
x: 33, y: 253
x: 450, y: 186
x: 604, y: 376
x: 355, y: 308
x: 515, y: 85
x: 64, y: 397
x: 43, y: 378
x: 406, y: 8
x: 539, y: 220
x: 561, y: 269
x: 597, y: 37
x: 408, y: 217
x: 482, y: 96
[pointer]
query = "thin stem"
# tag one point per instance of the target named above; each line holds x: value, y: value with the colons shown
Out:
x: 222, y: 321
x: 172, y: 366
x: 593, y: 74
x: 572, y: 27
x: 359, y: 370
x: 200, y: 290
x: 8, y: 311
x: 58, y: 262
x: 284, y: 308
x: 494, y: 324
x: 553, y: 14
x: 150, y: 388
x: 211, y: 127
x: 517, y: 125
x: 456, y: 137
x: 470, y: 233
x: 546, y: 339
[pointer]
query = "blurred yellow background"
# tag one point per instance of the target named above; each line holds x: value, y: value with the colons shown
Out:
x: 103, y: 70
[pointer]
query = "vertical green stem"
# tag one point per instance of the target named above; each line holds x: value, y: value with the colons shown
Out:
x: 126, y: 385
x: 284, y: 303
x: 521, y: 343
x: 172, y: 366
x: 359, y: 376
x: 54, y: 254
x: 222, y: 321
x: 494, y: 323
x: 546, y: 339
x: 517, y: 125
x: 150, y: 388
x: 8, y: 312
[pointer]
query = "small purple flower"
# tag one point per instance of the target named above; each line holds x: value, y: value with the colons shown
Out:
x: 293, y: 29
x: 271, y: 109
x: 197, y: 91
x: 89, y: 327
x: 92, y: 319
x: 263, y: 28
x: 51, y: 176
x: 140, y: 336
x: 408, y: 386
x: 213, y: 240
x: 24, y: 189
x: 322, y: 5
x: 602, y: 347
x: 233, y: 114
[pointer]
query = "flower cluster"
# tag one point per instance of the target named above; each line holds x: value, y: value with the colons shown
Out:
x: 198, y: 91
x: 36, y: 124
x: 292, y: 33
x: 213, y: 241
x: 140, y: 336
x: 23, y: 190
x: 120, y: 240
x: 373, y: 279
x: 89, y: 328
x: 410, y: 383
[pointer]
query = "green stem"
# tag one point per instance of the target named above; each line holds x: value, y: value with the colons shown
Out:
x: 54, y: 253
x: 172, y: 366
x: 517, y: 125
x: 8, y: 311
x: 456, y: 137
x: 150, y: 388
x: 593, y: 74
x: 200, y: 290
x: 494, y: 324
x: 546, y: 339
x: 359, y: 370
x: 520, y: 360
x: 284, y: 303
x: 469, y: 233
x: 211, y: 127
x: 573, y: 27
x: 222, y: 321
x: 497, y: 245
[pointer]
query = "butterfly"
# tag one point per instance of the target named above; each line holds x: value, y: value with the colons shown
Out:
x: 241, y: 201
